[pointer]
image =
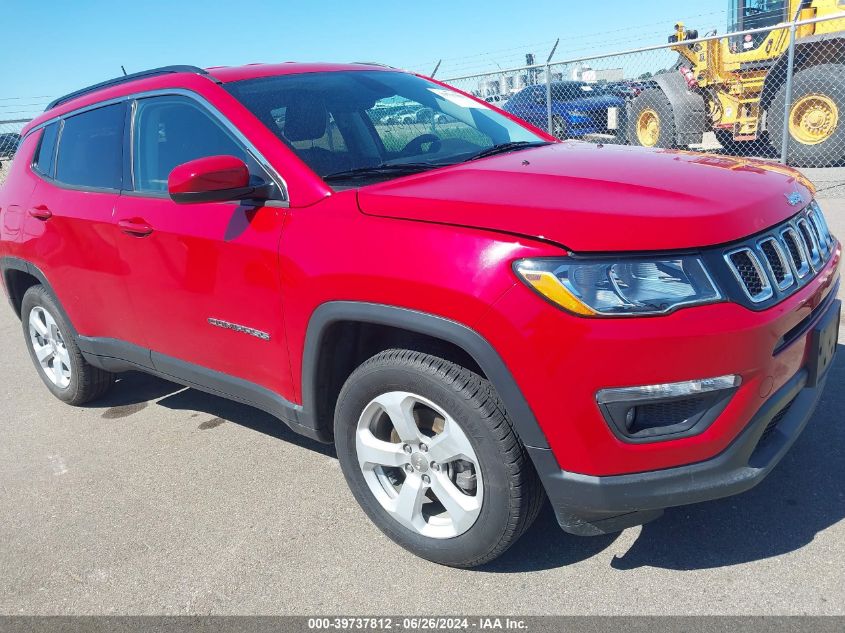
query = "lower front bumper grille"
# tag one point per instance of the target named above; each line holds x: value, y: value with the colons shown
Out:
x: 773, y: 425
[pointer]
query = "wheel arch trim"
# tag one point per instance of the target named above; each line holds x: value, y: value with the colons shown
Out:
x: 9, y: 263
x: 470, y: 341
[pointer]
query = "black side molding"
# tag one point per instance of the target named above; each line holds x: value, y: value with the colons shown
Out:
x: 114, y: 355
x: 423, y: 323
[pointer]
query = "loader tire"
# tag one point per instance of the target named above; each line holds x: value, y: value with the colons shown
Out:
x: 817, y: 117
x: 651, y: 120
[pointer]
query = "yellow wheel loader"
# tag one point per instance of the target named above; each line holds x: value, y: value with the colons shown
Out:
x: 736, y: 86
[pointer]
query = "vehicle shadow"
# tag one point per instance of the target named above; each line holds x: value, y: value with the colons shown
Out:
x: 801, y: 497
x: 135, y: 391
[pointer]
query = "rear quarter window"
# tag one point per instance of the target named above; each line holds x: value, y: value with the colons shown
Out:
x: 45, y: 155
x: 91, y: 149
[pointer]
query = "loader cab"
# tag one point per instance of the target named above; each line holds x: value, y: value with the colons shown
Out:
x: 745, y: 15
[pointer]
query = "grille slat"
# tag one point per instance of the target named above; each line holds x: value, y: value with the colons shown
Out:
x: 800, y: 263
x: 747, y: 268
x: 777, y: 262
x: 810, y: 244
x: 820, y: 232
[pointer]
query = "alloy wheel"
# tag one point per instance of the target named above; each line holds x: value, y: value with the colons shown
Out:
x: 419, y: 464
x: 49, y: 347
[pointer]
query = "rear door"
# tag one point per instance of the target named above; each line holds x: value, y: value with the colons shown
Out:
x: 69, y: 230
x: 203, y: 277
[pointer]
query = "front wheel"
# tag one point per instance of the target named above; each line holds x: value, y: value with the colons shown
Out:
x: 651, y: 120
x: 816, y: 118
x: 433, y: 460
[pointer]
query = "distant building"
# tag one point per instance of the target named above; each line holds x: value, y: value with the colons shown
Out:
x: 585, y: 73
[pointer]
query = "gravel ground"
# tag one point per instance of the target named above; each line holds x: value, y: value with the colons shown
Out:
x: 161, y: 499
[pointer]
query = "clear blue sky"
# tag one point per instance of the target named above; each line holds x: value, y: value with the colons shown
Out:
x: 52, y: 47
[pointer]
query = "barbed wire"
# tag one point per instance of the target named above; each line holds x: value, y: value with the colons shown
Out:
x: 468, y: 63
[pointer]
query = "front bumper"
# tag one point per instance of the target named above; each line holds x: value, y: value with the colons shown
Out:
x: 589, y: 505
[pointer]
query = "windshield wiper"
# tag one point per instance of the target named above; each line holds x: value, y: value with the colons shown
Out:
x: 503, y: 148
x: 385, y: 169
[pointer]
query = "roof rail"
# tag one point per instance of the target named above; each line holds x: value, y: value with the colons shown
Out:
x: 374, y: 64
x: 154, y: 72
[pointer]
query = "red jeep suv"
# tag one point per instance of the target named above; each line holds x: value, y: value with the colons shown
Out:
x: 478, y: 316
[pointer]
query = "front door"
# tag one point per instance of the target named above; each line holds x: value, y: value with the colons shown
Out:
x: 203, y: 278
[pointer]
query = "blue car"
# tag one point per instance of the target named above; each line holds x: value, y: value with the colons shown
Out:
x: 578, y: 108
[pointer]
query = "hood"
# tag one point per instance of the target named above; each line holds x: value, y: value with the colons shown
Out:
x: 599, y: 198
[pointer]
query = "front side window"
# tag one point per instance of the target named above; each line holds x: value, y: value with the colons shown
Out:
x: 172, y: 130
x: 91, y: 149
x: 45, y: 156
x: 349, y: 121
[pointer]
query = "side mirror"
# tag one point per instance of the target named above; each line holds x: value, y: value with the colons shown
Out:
x: 212, y: 179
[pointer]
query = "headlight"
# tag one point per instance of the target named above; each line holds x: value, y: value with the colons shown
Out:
x: 576, y: 113
x: 618, y: 287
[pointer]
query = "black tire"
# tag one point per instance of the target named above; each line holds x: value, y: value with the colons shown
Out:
x: 87, y: 382
x: 560, y: 128
x: 827, y: 80
x: 656, y: 101
x: 512, y: 495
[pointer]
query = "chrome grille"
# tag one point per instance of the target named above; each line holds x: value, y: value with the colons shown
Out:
x: 782, y: 260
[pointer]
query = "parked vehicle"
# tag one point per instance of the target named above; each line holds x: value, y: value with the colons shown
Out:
x: 403, y: 116
x: 626, y: 89
x: 9, y: 144
x: 578, y: 108
x: 497, y: 100
x: 477, y: 319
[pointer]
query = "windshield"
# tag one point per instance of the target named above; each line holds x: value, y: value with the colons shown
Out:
x: 745, y: 15
x: 349, y: 121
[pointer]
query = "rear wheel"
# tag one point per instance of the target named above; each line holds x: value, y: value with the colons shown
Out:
x: 55, y: 354
x: 651, y: 121
x: 816, y: 119
x: 429, y: 453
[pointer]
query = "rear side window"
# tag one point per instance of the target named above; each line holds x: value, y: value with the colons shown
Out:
x: 173, y: 130
x: 45, y: 156
x: 91, y: 149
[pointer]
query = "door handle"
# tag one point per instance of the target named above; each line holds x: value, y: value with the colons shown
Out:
x: 41, y: 212
x: 139, y: 228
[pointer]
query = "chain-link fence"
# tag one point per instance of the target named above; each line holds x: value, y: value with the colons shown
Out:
x: 10, y: 136
x: 774, y: 92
